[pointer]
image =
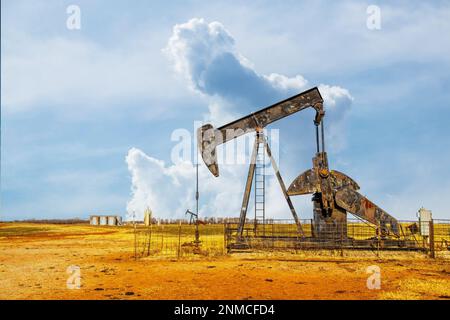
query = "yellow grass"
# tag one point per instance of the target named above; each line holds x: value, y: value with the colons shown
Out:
x: 34, y: 259
x: 417, y: 289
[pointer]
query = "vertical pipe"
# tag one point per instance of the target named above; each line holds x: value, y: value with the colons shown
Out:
x: 317, y: 138
x: 323, y: 136
x: 197, y: 234
x: 196, y: 191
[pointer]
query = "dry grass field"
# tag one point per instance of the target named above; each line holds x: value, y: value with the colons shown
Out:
x: 34, y: 259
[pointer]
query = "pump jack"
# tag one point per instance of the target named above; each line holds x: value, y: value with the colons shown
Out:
x: 334, y: 193
x: 193, y: 217
x: 209, y: 138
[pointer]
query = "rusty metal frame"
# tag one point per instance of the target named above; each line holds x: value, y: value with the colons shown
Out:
x: 251, y: 173
x: 209, y: 138
x: 248, y: 186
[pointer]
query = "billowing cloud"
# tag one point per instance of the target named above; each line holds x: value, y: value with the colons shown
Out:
x: 206, y: 56
x: 62, y: 72
x: 155, y: 185
x: 169, y: 189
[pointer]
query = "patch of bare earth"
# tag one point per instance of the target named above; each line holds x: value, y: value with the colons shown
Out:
x: 34, y: 266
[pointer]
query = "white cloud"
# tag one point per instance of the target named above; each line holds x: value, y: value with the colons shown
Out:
x: 169, y: 190
x: 282, y: 82
x: 66, y: 72
x: 44, y: 66
x: 206, y: 56
x: 338, y: 102
x: 194, y: 45
x: 152, y: 183
x: 329, y: 38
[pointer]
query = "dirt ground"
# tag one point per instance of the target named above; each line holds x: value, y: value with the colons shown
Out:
x: 34, y: 259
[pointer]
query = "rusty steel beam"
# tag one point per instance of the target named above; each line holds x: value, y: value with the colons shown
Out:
x: 208, y: 137
x: 248, y: 187
x: 362, y: 207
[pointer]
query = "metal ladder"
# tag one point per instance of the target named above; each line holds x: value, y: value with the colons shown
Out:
x: 260, y: 174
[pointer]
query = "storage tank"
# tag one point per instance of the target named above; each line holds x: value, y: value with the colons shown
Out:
x: 112, y: 221
x: 425, y: 218
x: 147, y: 217
x: 103, y: 220
x: 94, y: 220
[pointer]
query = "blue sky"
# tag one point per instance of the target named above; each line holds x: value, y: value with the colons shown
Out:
x: 74, y: 102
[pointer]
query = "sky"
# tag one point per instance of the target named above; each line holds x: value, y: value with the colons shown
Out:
x: 93, y: 119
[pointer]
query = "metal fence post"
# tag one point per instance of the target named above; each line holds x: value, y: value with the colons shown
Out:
x: 162, y: 238
x: 432, y: 251
x: 149, y: 239
x: 273, y: 236
x: 224, y: 238
x: 135, y: 241
x: 179, y: 240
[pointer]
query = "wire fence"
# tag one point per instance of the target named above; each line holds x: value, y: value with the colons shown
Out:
x: 441, y: 235
x: 179, y: 240
x: 350, y: 234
